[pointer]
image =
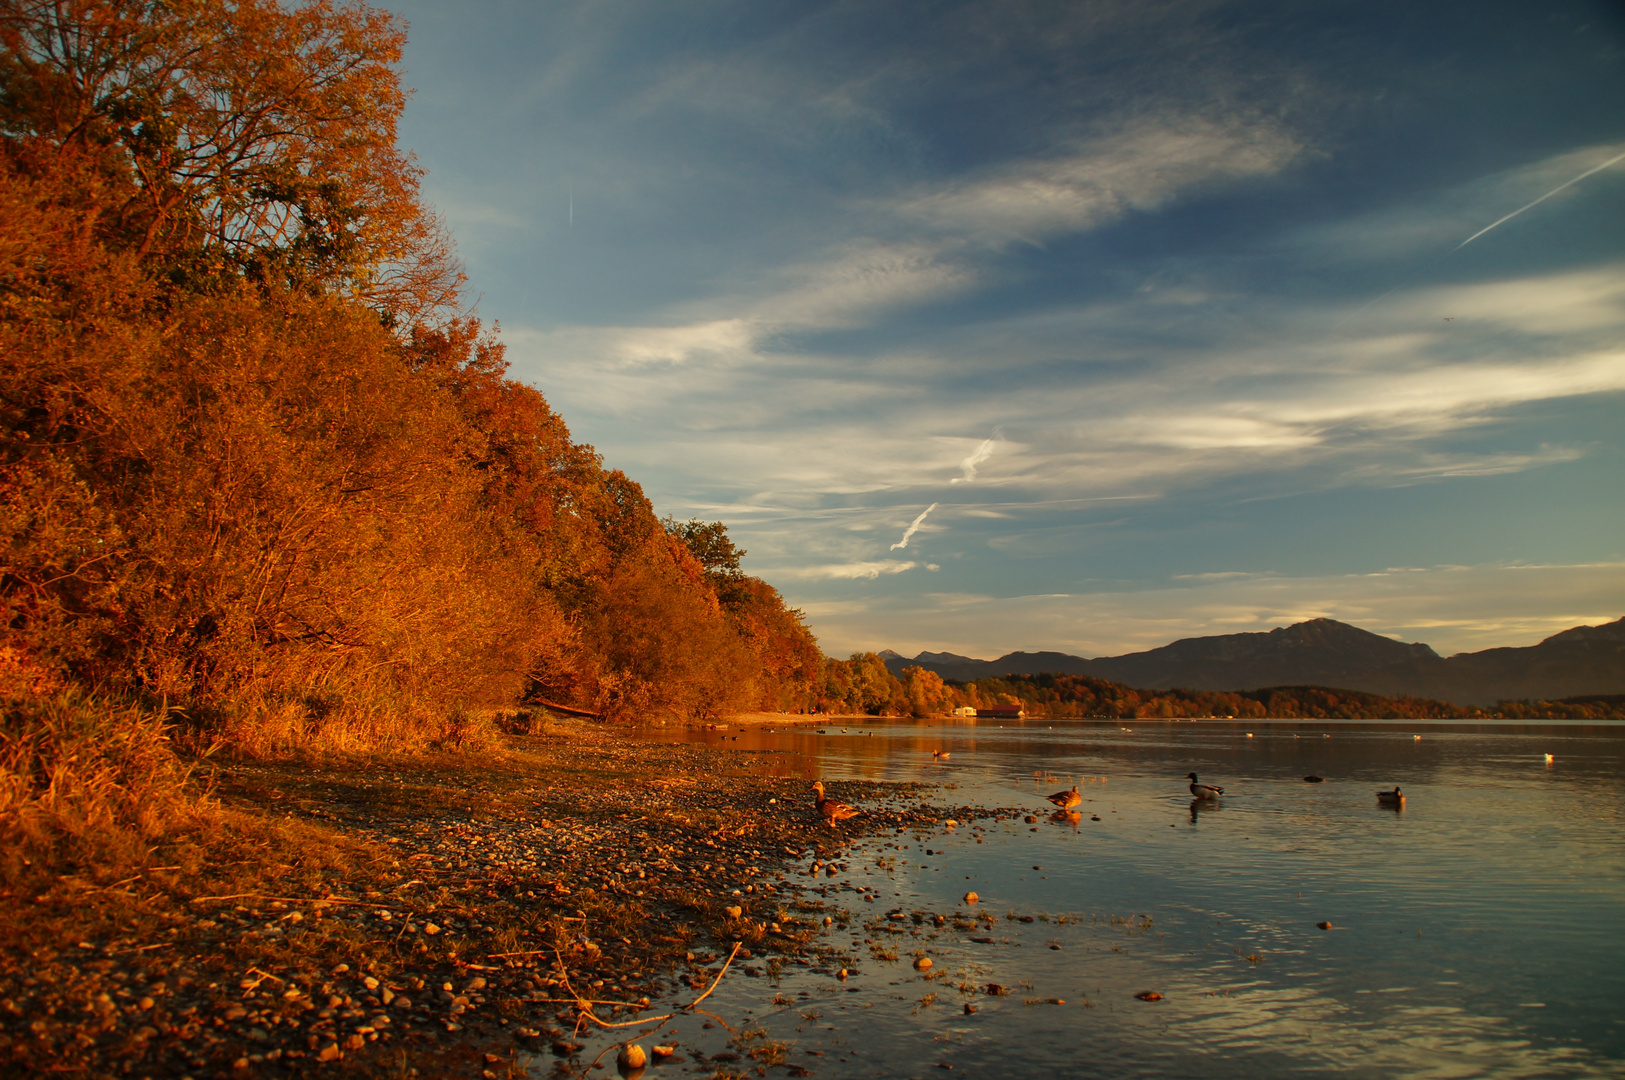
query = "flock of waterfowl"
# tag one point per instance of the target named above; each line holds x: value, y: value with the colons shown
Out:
x: 833, y: 811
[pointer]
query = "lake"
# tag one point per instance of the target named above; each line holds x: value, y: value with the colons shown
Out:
x: 1478, y: 931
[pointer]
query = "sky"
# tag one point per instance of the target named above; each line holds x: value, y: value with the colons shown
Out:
x: 1001, y: 325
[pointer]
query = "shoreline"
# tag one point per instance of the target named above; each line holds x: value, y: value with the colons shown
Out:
x: 444, y: 911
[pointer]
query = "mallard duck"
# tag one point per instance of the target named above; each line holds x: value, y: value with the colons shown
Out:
x: 1391, y: 798
x: 1066, y: 800
x: 833, y: 811
x: 1204, y: 791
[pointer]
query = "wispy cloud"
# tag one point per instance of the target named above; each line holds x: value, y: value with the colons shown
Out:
x: 969, y: 466
x: 854, y: 570
x: 1142, y: 168
x: 914, y: 527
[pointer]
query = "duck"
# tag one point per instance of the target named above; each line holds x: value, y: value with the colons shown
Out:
x: 1204, y: 791
x: 1066, y: 800
x: 831, y: 810
x: 1391, y: 798
x: 940, y: 755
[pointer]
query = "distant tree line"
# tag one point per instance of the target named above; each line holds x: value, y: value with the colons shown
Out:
x: 862, y: 684
x: 255, y: 457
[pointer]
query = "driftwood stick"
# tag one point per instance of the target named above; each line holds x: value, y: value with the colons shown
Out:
x: 690, y: 1007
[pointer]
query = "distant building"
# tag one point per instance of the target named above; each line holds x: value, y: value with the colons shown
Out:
x: 1002, y: 712
x: 965, y: 711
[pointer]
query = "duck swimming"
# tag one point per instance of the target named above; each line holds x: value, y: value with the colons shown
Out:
x: 1391, y: 798
x: 1204, y: 791
x: 831, y: 810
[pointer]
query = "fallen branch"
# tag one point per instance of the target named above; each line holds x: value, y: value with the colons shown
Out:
x: 587, y: 1014
x: 292, y: 900
x: 565, y: 709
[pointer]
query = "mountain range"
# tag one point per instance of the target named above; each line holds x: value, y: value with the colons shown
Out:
x: 1583, y: 661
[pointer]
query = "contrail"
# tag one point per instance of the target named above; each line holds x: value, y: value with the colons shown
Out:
x: 914, y: 528
x: 1543, y: 198
x: 981, y: 454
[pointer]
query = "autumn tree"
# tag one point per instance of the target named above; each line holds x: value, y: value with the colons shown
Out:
x: 249, y: 459
x: 232, y: 136
x: 927, y: 694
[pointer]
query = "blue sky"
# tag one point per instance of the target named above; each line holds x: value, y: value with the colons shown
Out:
x: 1160, y: 310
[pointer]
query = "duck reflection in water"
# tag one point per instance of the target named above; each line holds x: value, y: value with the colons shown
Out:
x: 1067, y: 817
x: 1204, y: 806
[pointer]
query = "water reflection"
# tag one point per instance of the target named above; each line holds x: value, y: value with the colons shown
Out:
x: 1480, y: 932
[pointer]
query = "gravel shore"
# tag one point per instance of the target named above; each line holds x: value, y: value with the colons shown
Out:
x: 416, y: 917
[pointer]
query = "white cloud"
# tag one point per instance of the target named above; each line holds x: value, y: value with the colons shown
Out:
x: 1142, y: 168
x: 854, y: 570
x: 913, y: 527
x: 969, y: 466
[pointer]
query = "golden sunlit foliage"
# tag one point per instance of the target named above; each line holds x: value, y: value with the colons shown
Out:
x: 252, y: 463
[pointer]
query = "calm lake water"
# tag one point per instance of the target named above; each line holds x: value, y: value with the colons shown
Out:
x: 1479, y: 931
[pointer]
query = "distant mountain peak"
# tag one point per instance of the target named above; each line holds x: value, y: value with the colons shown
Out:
x: 1326, y: 652
x: 945, y: 658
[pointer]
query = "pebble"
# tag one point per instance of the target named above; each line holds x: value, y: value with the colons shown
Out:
x: 734, y: 912
x: 664, y: 1051
x: 631, y: 1057
x: 922, y: 964
x: 971, y: 898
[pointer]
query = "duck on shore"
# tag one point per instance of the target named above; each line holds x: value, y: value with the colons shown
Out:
x: 1066, y: 800
x: 831, y: 810
x: 1204, y: 791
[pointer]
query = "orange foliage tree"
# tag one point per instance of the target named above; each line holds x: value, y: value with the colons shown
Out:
x: 247, y: 454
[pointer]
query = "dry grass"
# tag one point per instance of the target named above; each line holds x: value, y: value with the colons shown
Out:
x: 361, y: 721
x: 89, y: 780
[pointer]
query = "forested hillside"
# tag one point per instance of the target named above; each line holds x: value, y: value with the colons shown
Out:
x: 864, y: 684
x: 259, y: 459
